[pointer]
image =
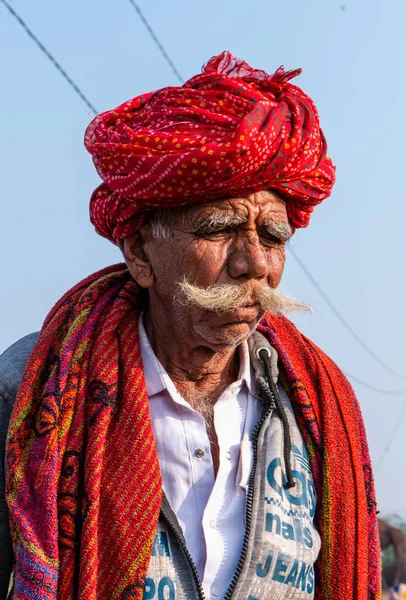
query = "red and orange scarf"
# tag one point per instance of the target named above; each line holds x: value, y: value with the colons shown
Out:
x: 84, y: 485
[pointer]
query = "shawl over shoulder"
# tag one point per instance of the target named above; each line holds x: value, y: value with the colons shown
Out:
x: 84, y: 487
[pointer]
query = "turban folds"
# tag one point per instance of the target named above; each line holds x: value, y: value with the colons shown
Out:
x: 227, y: 132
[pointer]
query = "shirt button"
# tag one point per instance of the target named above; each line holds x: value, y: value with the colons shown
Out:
x: 228, y: 455
x: 216, y: 591
x: 212, y: 524
x: 199, y: 453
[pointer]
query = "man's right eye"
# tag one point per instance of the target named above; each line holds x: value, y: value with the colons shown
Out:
x: 214, y: 233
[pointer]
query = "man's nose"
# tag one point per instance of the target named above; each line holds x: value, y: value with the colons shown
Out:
x: 248, y: 259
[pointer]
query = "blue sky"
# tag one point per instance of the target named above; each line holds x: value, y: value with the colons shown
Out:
x: 353, y: 67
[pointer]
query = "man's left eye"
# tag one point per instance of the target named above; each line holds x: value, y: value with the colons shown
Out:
x: 272, y: 239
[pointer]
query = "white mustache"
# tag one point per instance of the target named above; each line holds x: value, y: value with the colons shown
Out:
x: 224, y: 297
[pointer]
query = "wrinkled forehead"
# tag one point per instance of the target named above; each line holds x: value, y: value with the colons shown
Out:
x: 263, y: 206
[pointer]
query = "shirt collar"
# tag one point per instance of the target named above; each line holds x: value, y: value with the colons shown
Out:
x: 154, y: 371
x: 246, y: 373
x: 157, y: 379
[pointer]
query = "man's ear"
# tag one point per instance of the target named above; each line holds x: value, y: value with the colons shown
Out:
x: 136, y: 259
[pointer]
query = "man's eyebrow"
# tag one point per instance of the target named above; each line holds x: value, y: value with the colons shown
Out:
x: 218, y: 220
x: 223, y: 219
x: 280, y: 229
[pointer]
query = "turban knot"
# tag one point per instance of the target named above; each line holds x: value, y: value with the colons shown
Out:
x: 230, y: 131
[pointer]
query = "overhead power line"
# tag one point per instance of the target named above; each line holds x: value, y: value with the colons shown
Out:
x: 301, y: 264
x: 50, y: 57
x: 156, y: 40
x: 94, y: 110
x: 374, y: 388
x: 391, y: 438
x: 398, y: 422
x: 343, y: 321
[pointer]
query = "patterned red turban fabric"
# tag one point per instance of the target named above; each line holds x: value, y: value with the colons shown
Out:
x: 230, y: 131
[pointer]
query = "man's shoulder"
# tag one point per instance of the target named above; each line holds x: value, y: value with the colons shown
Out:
x: 12, y: 365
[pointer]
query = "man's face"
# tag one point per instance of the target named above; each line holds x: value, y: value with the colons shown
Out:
x: 234, y: 241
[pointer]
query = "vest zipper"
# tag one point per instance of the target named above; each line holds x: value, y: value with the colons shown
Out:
x: 173, y: 526
x: 250, y: 497
x: 172, y: 522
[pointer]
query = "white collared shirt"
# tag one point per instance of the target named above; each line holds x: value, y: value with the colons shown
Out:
x: 210, y: 511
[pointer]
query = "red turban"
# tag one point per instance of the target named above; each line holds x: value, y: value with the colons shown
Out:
x: 230, y: 131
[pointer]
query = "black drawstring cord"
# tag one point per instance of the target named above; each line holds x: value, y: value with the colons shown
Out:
x: 265, y: 389
x: 276, y: 400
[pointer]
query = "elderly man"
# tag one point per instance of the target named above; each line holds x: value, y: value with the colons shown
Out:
x: 174, y: 436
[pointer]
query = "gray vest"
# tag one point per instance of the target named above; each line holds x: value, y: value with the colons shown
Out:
x: 281, y: 543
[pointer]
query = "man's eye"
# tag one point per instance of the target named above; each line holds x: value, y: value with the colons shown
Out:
x: 215, y: 233
x: 272, y: 239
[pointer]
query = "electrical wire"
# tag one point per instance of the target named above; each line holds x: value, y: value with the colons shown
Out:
x: 370, y: 352
x: 156, y: 40
x: 343, y: 321
x: 301, y: 264
x: 374, y: 388
x: 50, y: 57
x: 391, y: 438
